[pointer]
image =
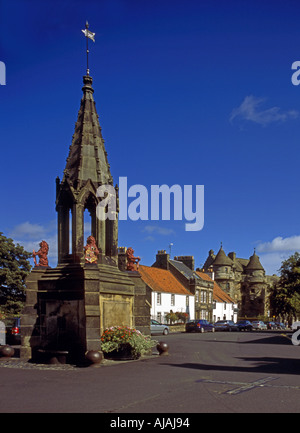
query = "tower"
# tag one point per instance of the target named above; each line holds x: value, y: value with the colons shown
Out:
x: 223, y: 271
x: 243, y: 279
x: 254, y: 288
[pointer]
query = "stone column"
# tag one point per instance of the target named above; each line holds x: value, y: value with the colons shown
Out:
x: 30, y: 336
x: 112, y: 238
x: 100, y: 237
x: 92, y: 308
x: 77, y: 233
x: 63, y: 217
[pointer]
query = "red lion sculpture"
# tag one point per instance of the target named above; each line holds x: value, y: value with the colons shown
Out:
x: 42, y: 253
x: 132, y: 262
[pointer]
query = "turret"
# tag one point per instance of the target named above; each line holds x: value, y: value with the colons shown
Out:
x: 254, y: 271
x: 223, y: 272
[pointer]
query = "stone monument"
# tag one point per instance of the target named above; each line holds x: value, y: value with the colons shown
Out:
x: 68, y: 307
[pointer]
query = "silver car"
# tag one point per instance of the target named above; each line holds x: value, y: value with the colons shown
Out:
x: 258, y: 324
x: 158, y: 328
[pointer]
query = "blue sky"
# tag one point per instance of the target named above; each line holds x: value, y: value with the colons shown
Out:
x: 187, y: 92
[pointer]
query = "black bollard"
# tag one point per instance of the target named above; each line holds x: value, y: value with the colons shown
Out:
x: 93, y: 357
x: 162, y: 348
x: 7, y: 351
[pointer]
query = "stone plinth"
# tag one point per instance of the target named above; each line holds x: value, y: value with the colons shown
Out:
x: 69, y: 307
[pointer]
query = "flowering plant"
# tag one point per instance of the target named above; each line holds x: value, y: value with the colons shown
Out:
x: 116, y: 338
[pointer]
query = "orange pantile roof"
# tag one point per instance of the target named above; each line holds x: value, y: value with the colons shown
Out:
x: 161, y: 280
x: 218, y: 294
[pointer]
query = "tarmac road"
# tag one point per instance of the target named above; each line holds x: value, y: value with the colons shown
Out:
x: 223, y: 372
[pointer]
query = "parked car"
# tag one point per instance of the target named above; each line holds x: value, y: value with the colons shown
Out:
x: 271, y: 325
x: 159, y: 328
x: 280, y: 325
x: 13, y: 331
x: 225, y: 325
x: 258, y: 324
x: 199, y: 326
x: 244, y: 325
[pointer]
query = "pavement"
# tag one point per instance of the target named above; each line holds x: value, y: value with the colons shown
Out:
x: 16, y: 362
x: 224, y: 372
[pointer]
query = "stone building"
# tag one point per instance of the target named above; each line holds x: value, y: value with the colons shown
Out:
x: 168, y: 294
x: 183, y: 268
x: 224, y: 307
x: 244, y: 280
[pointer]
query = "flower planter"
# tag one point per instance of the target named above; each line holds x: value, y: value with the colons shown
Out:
x: 124, y: 343
x: 124, y: 352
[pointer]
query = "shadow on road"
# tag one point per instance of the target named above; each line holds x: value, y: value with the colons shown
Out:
x: 276, y: 339
x: 258, y: 365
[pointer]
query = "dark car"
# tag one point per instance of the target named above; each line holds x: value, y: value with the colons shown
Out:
x: 244, y: 325
x: 13, y: 331
x: 271, y: 325
x: 225, y: 325
x: 199, y: 326
x: 280, y: 325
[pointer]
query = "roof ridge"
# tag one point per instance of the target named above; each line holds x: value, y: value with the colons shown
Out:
x: 148, y: 276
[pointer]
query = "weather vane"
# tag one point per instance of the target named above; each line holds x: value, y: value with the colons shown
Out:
x: 88, y: 35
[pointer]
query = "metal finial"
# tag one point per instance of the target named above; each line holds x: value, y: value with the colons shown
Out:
x: 89, y: 35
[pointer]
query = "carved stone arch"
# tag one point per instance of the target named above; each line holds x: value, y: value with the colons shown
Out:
x: 88, y: 192
x: 65, y: 195
x: 90, y: 201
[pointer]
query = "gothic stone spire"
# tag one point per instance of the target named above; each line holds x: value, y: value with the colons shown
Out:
x: 87, y: 156
x: 86, y: 169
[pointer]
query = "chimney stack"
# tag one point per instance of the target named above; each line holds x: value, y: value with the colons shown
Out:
x: 162, y: 260
x: 187, y: 260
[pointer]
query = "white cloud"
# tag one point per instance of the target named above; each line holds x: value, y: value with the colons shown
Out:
x: 279, y: 243
x: 274, y: 252
x: 149, y: 238
x: 158, y: 230
x: 250, y: 109
x: 272, y: 262
x: 27, y: 230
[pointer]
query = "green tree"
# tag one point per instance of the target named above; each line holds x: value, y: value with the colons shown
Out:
x: 14, y: 266
x: 285, y: 296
